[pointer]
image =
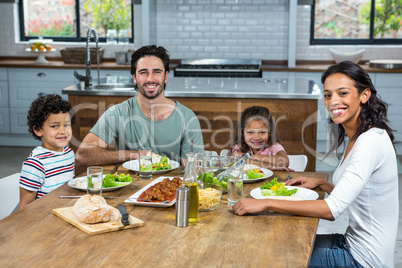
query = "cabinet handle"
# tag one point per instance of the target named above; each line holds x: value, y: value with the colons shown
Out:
x: 41, y: 74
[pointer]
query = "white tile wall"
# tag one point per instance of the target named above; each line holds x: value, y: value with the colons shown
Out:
x: 256, y: 29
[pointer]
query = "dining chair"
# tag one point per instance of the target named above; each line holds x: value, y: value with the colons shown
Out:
x: 9, y: 194
x: 298, y: 162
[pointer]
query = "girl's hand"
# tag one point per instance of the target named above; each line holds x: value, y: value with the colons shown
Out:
x: 237, y: 154
x: 306, y: 182
x: 248, y: 205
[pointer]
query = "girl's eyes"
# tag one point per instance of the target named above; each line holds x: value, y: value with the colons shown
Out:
x: 260, y: 132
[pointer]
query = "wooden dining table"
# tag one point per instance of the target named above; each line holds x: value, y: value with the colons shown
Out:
x: 34, y: 236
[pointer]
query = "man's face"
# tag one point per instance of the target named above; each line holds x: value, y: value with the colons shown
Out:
x: 150, y: 77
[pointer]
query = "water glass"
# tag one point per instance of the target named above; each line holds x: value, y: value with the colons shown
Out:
x: 95, y: 180
x: 123, y: 36
x: 145, y: 163
x: 235, y: 183
x: 111, y: 37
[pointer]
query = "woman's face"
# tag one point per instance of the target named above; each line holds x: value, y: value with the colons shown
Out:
x: 256, y: 135
x: 343, y: 101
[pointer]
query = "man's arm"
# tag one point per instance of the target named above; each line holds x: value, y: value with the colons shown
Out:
x: 94, y: 151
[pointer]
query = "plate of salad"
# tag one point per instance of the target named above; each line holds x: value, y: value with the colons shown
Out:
x: 111, y: 182
x: 256, y: 174
x: 278, y: 190
x: 159, y: 165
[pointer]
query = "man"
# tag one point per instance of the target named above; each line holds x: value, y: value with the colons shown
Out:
x: 148, y: 120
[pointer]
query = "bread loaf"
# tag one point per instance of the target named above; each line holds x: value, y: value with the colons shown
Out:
x: 92, y: 209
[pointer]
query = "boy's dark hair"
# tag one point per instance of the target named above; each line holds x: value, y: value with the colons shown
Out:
x: 256, y: 113
x: 42, y: 107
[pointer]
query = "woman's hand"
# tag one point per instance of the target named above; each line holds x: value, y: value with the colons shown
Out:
x: 248, y: 205
x: 311, y: 183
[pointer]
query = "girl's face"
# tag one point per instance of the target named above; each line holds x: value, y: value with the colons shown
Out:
x: 343, y: 101
x: 55, y: 132
x: 256, y: 135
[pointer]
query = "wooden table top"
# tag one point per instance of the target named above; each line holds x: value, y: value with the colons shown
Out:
x: 35, y: 236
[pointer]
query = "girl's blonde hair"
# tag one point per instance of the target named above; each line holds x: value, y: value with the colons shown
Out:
x: 256, y: 113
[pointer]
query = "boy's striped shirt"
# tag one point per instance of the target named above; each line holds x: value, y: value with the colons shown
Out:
x: 44, y: 170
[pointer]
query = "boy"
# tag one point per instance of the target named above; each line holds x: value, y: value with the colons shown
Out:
x: 52, y: 164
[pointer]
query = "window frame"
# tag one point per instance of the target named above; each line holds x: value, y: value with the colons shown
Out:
x: 356, y: 41
x: 77, y: 38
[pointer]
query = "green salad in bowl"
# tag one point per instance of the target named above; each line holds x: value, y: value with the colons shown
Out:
x: 208, y: 177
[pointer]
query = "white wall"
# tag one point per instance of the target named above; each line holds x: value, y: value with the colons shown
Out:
x: 256, y: 29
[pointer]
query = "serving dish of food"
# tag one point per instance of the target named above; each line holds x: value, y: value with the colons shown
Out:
x: 161, y: 193
x: 209, y: 197
x: 111, y: 182
x: 160, y: 165
x: 277, y: 190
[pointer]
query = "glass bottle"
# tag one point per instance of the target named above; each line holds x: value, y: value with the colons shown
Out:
x: 190, y: 181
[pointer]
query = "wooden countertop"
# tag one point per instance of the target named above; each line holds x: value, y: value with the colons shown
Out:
x: 110, y: 64
x: 219, y: 239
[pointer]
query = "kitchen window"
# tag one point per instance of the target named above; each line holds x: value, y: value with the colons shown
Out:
x: 69, y: 20
x: 339, y: 22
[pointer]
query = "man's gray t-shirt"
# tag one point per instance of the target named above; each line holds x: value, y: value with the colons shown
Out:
x: 126, y: 125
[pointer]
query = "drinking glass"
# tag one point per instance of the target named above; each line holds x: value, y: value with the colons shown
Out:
x: 95, y: 180
x: 145, y: 163
x: 235, y: 183
x: 123, y: 36
x: 111, y: 37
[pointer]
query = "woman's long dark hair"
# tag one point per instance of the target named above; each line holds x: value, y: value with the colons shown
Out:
x: 373, y: 112
x: 256, y: 113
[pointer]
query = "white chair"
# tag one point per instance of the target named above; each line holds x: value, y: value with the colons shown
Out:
x: 225, y: 152
x: 9, y: 194
x: 298, y: 162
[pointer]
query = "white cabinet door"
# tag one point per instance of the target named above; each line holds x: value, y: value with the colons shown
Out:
x: 389, y: 87
x: 4, y: 120
x: 23, y: 93
x: 3, y: 94
x: 18, y: 121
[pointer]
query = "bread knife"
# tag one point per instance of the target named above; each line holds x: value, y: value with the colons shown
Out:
x: 124, y: 214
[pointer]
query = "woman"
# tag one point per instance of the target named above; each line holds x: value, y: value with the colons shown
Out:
x: 366, y: 180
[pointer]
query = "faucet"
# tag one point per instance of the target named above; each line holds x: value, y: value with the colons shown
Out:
x: 88, y: 78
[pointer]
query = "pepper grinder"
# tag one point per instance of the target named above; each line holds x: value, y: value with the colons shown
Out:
x: 182, y: 205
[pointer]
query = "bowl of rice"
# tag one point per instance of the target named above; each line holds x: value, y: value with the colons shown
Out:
x: 209, y: 197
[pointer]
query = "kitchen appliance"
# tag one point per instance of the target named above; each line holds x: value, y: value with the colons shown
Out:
x: 219, y: 68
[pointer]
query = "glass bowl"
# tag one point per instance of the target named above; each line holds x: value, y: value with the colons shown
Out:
x: 209, y: 197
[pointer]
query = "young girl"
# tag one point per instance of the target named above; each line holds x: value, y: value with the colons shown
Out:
x: 366, y: 180
x: 52, y: 164
x: 258, y: 135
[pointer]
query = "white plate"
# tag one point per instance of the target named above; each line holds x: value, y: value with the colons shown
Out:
x: 71, y: 183
x: 133, y: 165
x: 301, y: 194
x: 150, y: 204
x: 267, y: 173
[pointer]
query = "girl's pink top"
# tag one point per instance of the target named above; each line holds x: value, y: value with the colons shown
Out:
x: 270, y: 150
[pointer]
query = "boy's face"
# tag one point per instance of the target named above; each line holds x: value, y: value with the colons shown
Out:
x: 55, y: 132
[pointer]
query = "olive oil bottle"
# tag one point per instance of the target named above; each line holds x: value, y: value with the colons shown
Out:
x: 190, y: 181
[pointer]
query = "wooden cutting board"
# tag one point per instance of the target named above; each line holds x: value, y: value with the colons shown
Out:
x: 97, y: 228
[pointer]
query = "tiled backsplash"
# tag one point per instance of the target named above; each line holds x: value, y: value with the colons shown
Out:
x: 256, y: 29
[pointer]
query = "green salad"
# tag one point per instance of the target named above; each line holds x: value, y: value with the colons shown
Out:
x: 274, y: 188
x: 210, y: 178
x: 114, y: 180
x: 254, y: 174
x: 163, y: 164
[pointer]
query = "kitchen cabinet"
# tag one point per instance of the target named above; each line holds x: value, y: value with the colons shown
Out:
x: 390, y: 90
x: 25, y: 85
x: 4, y: 109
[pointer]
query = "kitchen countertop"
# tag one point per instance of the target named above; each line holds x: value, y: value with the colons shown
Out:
x: 267, y: 66
x: 280, y: 88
